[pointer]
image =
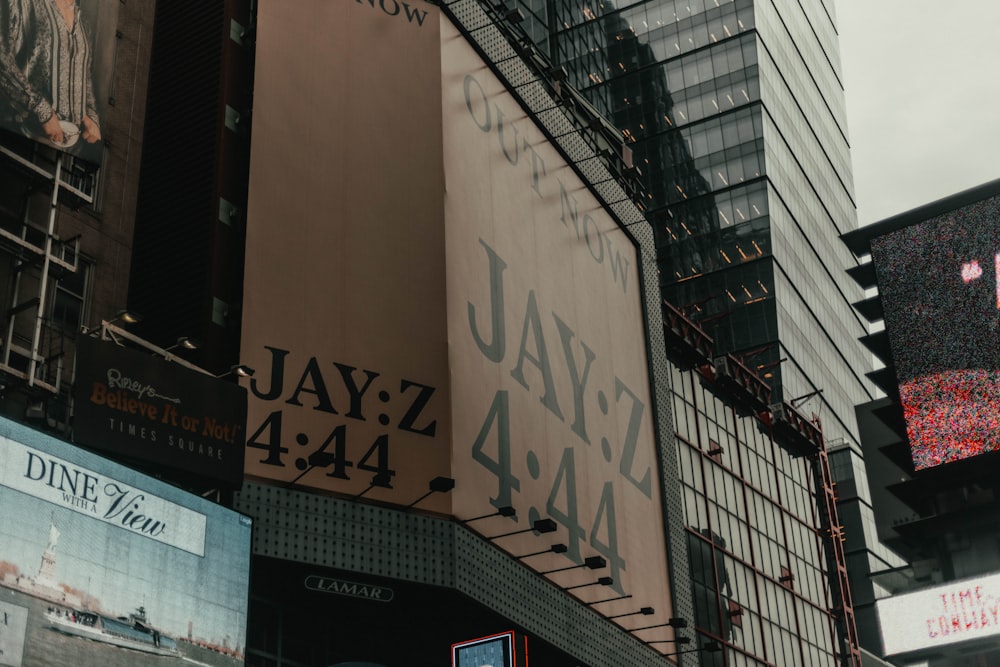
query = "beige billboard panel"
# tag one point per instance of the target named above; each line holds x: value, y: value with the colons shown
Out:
x: 551, y: 404
x: 421, y: 303
x: 344, y: 313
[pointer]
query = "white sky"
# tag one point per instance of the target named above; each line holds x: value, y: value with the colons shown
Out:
x: 923, y: 99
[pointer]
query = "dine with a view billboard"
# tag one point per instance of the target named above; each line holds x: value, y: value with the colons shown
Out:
x: 939, y: 281
x: 102, y: 565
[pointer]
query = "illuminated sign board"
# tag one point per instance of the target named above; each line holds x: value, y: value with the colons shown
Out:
x: 56, y: 65
x: 939, y: 282
x: 446, y: 303
x: 942, y: 615
x: 499, y: 650
x: 96, y: 558
x: 146, y: 408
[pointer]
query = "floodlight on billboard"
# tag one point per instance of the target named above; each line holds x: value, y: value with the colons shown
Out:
x: 56, y: 65
x: 96, y: 558
x: 939, y: 282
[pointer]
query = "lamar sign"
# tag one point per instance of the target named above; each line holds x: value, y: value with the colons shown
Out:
x: 315, y: 582
x: 146, y: 408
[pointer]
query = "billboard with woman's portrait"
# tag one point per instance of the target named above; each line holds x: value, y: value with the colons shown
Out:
x: 56, y: 67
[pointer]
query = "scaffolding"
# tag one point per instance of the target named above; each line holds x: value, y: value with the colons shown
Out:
x: 32, y: 350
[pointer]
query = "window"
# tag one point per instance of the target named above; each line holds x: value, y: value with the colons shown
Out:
x: 69, y: 299
x: 84, y: 178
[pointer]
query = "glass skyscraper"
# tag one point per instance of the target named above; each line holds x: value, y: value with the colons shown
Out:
x: 734, y: 112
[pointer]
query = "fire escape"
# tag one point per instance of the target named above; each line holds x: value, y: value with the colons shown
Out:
x: 692, y: 348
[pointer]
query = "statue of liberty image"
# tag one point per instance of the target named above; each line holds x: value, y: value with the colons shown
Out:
x: 53, y: 537
x: 46, y: 571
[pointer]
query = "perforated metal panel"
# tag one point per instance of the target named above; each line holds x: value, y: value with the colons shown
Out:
x: 355, y: 537
x: 321, y: 530
x: 577, y: 144
x: 673, y: 499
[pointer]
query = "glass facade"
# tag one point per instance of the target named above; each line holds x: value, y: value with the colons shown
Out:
x: 758, y: 562
x: 734, y: 111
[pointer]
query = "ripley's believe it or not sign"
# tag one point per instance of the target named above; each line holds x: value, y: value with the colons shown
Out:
x: 144, y: 408
x: 421, y: 302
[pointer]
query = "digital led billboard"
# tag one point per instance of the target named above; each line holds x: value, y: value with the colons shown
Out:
x: 935, y: 617
x: 101, y: 565
x: 500, y: 650
x: 56, y: 65
x: 939, y: 282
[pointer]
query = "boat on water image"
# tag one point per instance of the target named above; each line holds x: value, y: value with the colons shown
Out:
x: 132, y: 632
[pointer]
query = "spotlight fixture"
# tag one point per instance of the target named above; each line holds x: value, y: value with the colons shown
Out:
x: 707, y: 647
x: 239, y: 370
x: 632, y: 172
x: 126, y: 316
x: 380, y: 480
x: 645, y: 611
x: 539, y: 526
x: 184, y: 342
x: 525, y: 49
x: 673, y: 623
x: 437, y: 485
x: 557, y: 73
x: 592, y: 562
x: 603, y: 581
x: 620, y: 597
x: 506, y: 510
x: 513, y: 15
x: 677, y: 640
x: 554, y: 549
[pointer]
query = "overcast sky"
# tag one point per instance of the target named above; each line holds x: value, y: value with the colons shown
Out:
x: 923, y: 99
